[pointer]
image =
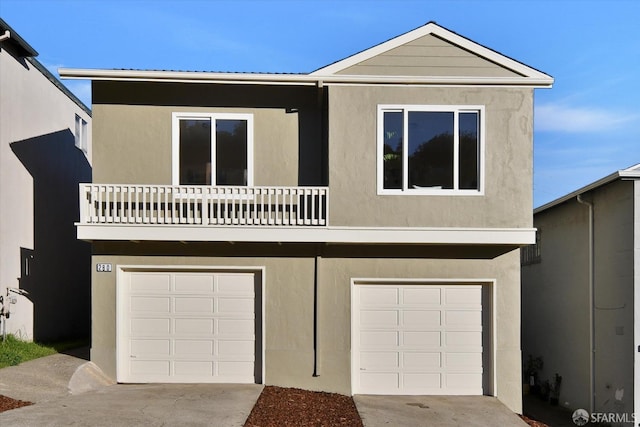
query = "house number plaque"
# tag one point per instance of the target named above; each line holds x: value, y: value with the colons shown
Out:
x: 103, y: 268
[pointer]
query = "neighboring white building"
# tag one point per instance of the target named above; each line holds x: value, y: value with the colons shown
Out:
x: 581, y: 293
x: 45, y: 151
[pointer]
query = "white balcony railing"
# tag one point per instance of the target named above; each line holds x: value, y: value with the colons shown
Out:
x: 203, y: 205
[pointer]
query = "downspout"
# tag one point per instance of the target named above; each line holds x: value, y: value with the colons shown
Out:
x: 5, y: 36
x: 316, y: 281
x: 592, y: 350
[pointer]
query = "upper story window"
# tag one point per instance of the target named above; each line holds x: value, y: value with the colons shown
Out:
x: 80, y: 133
x: 212, y: 149
x: 430, y: 149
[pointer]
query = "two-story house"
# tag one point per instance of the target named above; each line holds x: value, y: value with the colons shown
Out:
x: 45, y: 152
x: 353, y: 230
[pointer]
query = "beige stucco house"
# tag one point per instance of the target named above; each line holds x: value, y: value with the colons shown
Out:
x: 353, y: 230
x: 45, y: 152
x: 581, y: 292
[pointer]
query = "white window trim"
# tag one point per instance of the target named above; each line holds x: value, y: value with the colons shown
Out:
x: 80, y: 133
x: 405, y: 108
x: 175, y: 142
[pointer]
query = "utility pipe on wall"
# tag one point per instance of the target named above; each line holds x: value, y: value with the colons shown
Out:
x: 592, y: 350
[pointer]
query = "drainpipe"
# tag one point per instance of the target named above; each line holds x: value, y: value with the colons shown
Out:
x: 5, y: 36
x: 316, y: 280
x: 592, y: 350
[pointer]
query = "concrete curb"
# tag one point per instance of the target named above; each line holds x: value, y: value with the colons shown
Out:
x: 88, y: 377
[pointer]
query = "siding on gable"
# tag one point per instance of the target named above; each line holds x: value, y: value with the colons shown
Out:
x: 429, y: 56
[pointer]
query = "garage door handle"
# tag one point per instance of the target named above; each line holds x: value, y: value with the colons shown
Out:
x: 363, y: 369
x: 132, y: 356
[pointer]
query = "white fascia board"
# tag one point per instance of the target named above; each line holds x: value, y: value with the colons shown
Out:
x: 443, y: 33
x: 336, y: 235
x: 294, y: 79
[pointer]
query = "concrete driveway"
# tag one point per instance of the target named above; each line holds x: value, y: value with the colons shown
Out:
x: 69, y: 391
x: 440, y: 411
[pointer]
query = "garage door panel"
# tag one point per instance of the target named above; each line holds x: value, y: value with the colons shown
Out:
x: 236, y: 368
x: 150, y: 367
x: 418, y: 339
x: 422, y: 296
x: 142, y: 347
x: 424, y: 339
x: 378, y: 339
x: 421, y: 318
x: 188, y: 367
x: 380, y: 382
x: 465, y: 361
x: 194, y: 283
x: 145, y: 282
x: 378, y: 296
x: 234, y: 348
x: 235, y: 305
x: 379, y: 318
x: 193, y: 347
x: 463, y: 338
x: 188, y: 305
x: 142, y: 304
x: 379, y: 359
x: 463, y: 318
x: 194, y: 326
x: 150, y: 326
x: 422, y: 382
x: 242, y: 327
x: 235, y: 283
x: 467, y: 295
x: 421, y: 360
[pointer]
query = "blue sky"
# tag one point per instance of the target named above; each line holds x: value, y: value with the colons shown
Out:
x: 586, y: 127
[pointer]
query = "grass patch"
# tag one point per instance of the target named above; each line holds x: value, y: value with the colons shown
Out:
x: 14, y: 351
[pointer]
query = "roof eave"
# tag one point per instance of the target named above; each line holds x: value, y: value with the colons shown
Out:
x: 294, y: 79
x: 621, y: 174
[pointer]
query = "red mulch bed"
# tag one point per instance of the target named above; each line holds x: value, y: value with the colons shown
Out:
x: 533, y: 423
x: 7, y: 403
x: 279, y: 406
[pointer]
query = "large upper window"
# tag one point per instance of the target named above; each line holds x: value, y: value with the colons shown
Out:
x: 212, y: 149
x: 430, y: 149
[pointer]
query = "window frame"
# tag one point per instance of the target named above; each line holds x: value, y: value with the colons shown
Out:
x: 406, y: 109
x: 175, y: 142
x: 80, y: 133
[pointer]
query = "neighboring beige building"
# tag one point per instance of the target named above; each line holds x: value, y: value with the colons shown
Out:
x: 45, y: 151
x: 581, y: 292
x: 353, y: 230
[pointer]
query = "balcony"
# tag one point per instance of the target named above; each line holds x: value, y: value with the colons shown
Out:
x: 203, y: 205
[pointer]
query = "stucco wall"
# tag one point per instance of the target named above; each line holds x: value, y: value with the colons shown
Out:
x: 39, y: 171
x: 289, y: 278
x: 507, y: 167
x: 132, y: 131
x: 555, y: 298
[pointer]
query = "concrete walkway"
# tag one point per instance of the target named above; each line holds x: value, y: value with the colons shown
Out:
x: 436, y: 411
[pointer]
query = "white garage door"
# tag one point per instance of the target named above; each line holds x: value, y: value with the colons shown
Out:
x: 417, y: 339
x: 186, y: 327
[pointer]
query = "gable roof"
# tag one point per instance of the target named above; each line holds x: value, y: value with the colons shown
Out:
x: 449, y: 37
x: 632, y: 172
x: 516, y: 73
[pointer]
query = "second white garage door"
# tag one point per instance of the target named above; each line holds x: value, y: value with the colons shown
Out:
x: 185, y: 326
x: 417, y: 339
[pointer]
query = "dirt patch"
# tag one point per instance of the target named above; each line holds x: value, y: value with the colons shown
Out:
x: 279, y: 406
x: 7, y: 403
